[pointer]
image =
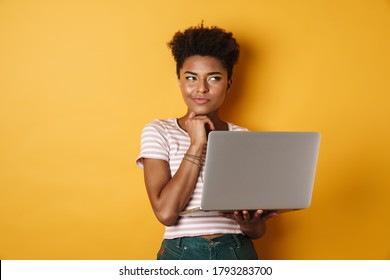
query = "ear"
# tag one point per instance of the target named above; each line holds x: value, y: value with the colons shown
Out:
x: 229, y: 85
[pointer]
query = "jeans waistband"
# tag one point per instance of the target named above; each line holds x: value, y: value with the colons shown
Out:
x: 198, y: 241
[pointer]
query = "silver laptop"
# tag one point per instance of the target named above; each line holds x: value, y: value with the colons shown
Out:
x: 272, y: 171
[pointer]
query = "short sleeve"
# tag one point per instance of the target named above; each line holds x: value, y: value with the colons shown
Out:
x: 234, y: 127
x: 154, y: 143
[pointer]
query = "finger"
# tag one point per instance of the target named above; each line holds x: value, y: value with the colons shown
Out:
x: 211, y: 125
x: 191, y: 115
x: 204, y: 118
x: 273, y: 214
x: 237, y: 216
x: 258, y: 214
x: 269, y: 215
x: 246, y: 215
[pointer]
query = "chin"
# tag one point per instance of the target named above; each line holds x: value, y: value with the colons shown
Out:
x: 201, y: 112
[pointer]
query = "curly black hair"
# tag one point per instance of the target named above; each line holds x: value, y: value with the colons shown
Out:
x: 205, y: 41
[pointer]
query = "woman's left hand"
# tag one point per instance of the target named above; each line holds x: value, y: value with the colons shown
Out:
x: 246, y: 218
x: 251, y: 223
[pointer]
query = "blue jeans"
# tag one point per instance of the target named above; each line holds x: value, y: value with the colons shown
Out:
x: 225, y: 247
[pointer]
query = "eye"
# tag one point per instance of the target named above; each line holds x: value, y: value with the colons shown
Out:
x: 215, y: 78
x: 190, y: 78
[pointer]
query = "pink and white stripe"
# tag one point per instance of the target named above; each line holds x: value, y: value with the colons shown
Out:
x: 165, y: 140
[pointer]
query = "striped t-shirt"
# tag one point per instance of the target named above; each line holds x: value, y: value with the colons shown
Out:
x: 166, y: 140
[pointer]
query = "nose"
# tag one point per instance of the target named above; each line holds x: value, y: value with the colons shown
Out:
x: 202, y: 86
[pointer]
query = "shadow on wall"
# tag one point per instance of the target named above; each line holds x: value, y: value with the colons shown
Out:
x: 266, y: 246
x: 233, y: 109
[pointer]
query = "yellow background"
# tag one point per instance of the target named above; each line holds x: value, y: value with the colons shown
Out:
x: 79, y: 79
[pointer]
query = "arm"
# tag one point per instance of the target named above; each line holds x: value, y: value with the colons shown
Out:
x: 169, y: 195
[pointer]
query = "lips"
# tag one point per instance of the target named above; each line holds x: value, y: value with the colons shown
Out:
x: 200, y: 100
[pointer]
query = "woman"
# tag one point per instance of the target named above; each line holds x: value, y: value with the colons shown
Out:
x: 173, y: 151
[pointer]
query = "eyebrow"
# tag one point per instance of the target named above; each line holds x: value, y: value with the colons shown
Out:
x: 208, y: 74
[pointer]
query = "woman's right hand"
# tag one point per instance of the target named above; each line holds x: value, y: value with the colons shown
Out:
x: 196, y: 129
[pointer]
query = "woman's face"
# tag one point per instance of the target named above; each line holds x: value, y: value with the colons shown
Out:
x: 203, y: 83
